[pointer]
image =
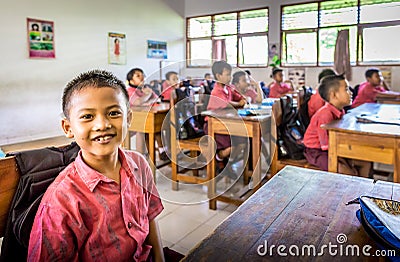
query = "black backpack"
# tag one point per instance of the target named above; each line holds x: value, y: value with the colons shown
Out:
x: 290, y: 132
x: 302, y: 113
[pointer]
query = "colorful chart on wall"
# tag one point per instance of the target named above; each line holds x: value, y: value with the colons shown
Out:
x: 157, y: 49
x: 40, y: 38
x: 116, y: 48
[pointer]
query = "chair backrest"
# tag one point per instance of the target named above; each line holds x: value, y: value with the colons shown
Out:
x: 9, y: 177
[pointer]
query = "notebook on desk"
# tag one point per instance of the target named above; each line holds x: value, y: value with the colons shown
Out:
x: 378, y: 119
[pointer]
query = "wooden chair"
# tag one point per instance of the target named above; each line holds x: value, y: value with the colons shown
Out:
x: 277, y: 164
x: 187, y: 172
x: 9, y: 177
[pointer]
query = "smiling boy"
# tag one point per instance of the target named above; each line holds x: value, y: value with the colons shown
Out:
x: 103, y: 205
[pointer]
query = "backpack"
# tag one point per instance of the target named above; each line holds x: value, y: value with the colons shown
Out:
x: 290, y: 132
x: 186, y: 117
x: 302, y: 113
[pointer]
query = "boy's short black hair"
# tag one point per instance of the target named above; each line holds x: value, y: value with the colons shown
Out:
x: 207, y: 75
x: 328, y: 84
x: 236, y: 76
x: 169, y: 74
x: 247, y: 71
x: 325, y: 72
x: 94, y: 78
x: 371, y: 71
x: 276, y: 70
x: 132, y: 72
x: 219, y: 66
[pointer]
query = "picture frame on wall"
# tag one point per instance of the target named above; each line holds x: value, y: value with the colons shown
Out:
x: 157, y: 49
x: 40, y: 38
x: 116, y: 48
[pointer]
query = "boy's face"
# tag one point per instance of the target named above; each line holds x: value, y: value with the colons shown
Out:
x: 343, y: 94
x: 98, y: 120
x: 225, y: 77
x: 137, y: 78
x: 173, y: 80
x: 278, y: 77
x: 376, y: 79
x: 243, y: 82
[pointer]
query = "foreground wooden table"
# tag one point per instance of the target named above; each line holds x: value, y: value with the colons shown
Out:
x: 296, y: 207
x: 365, y: 141
x: 228, y: 121
x: 148, y: 120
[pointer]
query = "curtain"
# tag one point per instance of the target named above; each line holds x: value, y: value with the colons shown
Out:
x: 342, y: 54
x: 219, y: 49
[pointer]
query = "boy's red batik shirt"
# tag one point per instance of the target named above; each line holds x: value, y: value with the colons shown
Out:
x: 366, y: 94
x: 85, y: 216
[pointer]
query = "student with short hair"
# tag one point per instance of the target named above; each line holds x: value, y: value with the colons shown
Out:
x: 278, y: 88
x: 223, y: 95
x: 368, y: 90
x: 242, y: 83
x: 101, y: 207
x: 316, y: 101
x: 139, y: 94
x: 171, y: 83
x: 334, y: 89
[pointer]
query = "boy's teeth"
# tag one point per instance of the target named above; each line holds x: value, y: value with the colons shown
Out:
x: 103, y: 138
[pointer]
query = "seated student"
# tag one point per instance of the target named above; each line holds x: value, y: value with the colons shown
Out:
x: 335, y: 91
x: 252, y: 93
x: 223, y: 95
x: 279, y: 88
x: 171, y: 82
x: 208, y: 83
x: 368, y: 90
x: 155, y: 86
x: 145, y: 96
x: 316, y: 101
x: 102, y: 207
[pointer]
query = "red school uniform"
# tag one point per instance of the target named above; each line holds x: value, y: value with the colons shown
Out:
x: 166, y: 91
x: 85, y: 216
x: 278, y: 89
x: 135, y: 93
x: 315, y: 103
x: 366, y: 94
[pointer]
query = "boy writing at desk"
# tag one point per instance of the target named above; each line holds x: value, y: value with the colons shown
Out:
x: 334, y: 89
x: 102, y: 207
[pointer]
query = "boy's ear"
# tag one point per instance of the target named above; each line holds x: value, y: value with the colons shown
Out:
x: 66, y: 126
x: 129, y: 117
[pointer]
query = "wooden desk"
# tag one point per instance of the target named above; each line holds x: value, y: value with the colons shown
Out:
x: 296, y: 207
x: 388, y: 97
x: 148, y: 120
x: 228, y: 121
x: 365, y: 141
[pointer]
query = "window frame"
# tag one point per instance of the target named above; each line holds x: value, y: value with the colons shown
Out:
x: 238, y: 36
x: 359, y: 33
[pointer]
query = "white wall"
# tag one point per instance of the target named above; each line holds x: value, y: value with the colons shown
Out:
x: 197, y: 8
x: 31, y: 89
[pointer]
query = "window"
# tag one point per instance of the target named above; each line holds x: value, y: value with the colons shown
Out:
x: 309, y: 31
x: 239, y: 37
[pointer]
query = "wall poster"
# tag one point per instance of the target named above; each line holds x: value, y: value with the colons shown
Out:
x: 116, y: 48
x: 156, y: 49
x: 40, y: 38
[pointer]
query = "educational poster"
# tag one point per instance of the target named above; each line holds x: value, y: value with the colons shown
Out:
x: 116, y: 48
x: 298, y: 77
x: 387, y: 75
x: 156, y: 49
x: 273, y: 55
x: 40, y: 38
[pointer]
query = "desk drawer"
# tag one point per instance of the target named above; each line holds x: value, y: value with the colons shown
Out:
x: 366, y: 147
x: 233, y: 127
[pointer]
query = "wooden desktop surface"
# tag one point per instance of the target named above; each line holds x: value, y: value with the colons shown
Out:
x: 366, y: 141
x: 296, y: 207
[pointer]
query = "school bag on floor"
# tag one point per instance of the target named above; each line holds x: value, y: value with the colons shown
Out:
x: 381, y: 220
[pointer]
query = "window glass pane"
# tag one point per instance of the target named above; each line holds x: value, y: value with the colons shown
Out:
x: 225, y: 24
x: 339, y: 12
x: 231, y: 49
x: 199, y: 26
x: 327, y: 42
x: 200, y: 49
x: 300, y: 16
x: 253, y: 50
x: 301, y: 48
x: 381, y: 44
x: 379, y: 10
x: 254, y: 21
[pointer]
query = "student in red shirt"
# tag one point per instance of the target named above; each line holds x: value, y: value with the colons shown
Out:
x: 224, y: 95
x: 102, y: 207
x: 368, y: 90
x: 250, y: 90
x: 335, y: 90
x: 278, y: 88
x: 170, y: 84
x: 316, y: 101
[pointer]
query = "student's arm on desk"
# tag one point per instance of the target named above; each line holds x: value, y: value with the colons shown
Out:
x: 238, y: 104
x: 154, y: 240
x: 146, y: 99
x: 257, y: 87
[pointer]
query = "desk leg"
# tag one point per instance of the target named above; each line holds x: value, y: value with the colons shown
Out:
x: 332, y: 153
x: 256, y: 155
x: 396, y: 162
x: 152, y: 153
x: 211, y: 170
